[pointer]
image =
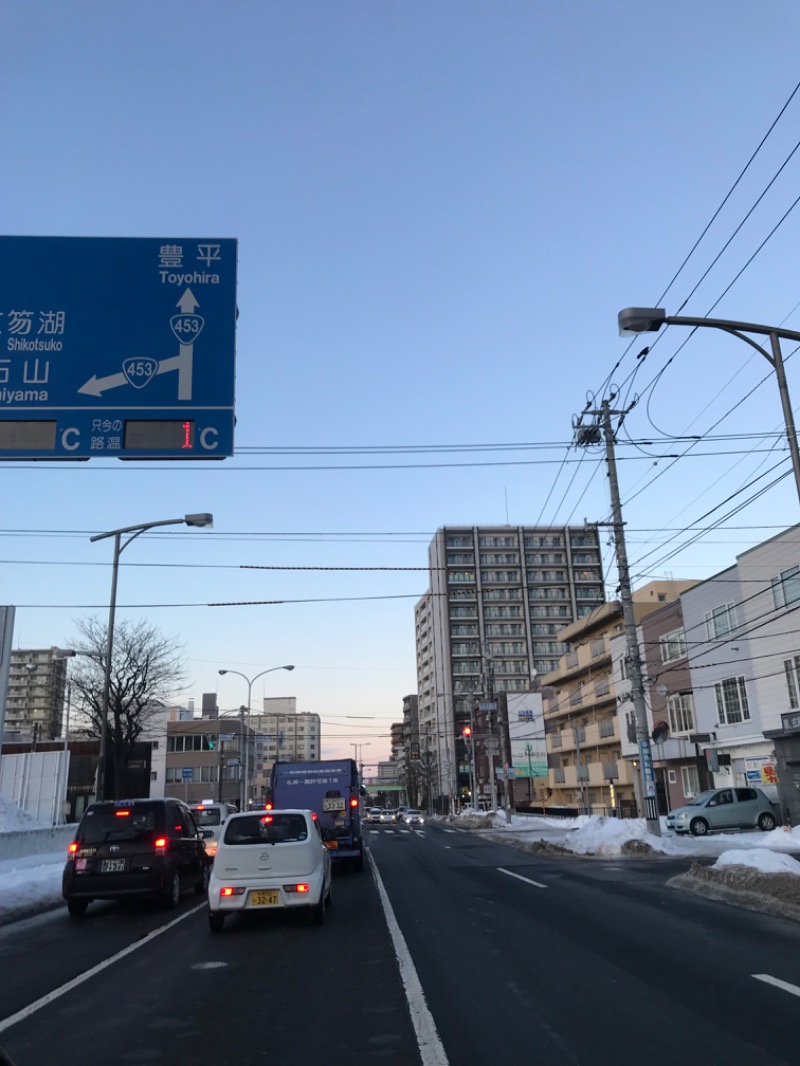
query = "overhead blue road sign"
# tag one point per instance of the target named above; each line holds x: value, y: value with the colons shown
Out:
x: 117, y: 347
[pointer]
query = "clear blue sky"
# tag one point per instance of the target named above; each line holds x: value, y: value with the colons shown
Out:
x: 440, y: 208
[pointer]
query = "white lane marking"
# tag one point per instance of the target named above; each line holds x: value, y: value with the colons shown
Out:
x: 450, y: 830
x: 519, y: 877
x: 765, y: 977
x: 37, y: 1004
x: 430, y: 1046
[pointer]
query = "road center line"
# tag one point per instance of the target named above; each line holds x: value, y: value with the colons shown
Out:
x: 37, y: 1004
x: 527, y: 880
x: 765, y: 977
x: 430, y: 1046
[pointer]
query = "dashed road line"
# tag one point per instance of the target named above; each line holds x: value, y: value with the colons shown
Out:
x: 527, y: 880
x: 776, y: 981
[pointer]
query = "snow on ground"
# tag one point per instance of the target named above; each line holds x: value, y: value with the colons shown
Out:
x: 13, y: 817
x: 587, y: 835
x: 34, y: 883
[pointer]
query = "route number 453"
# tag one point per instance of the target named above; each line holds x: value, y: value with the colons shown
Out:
x: 187, y: 328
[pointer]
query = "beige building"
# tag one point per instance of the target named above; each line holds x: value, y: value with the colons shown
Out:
x: 493, y: 617
x: 282, y: 733
x: 581, y: 712
x: 37, y: 682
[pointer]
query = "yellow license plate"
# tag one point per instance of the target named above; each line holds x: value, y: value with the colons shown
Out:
x: 264, y: 898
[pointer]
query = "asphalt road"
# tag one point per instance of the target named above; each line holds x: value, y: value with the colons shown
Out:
x: 497, y: 956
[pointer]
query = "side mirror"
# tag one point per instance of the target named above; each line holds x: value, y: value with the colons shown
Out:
x: 206, y: 834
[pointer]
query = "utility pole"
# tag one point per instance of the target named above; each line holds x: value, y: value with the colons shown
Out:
x: 586, y: 435
x: 502, y: 721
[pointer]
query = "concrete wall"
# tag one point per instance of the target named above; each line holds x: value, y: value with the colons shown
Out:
x: 21, y: 842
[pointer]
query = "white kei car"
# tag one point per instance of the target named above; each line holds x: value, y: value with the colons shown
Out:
x: 268, y: 860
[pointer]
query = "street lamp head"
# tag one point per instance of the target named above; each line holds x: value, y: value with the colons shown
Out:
x: 635, y: 320
x: 288, y: 668
x: 222, y: 671
x: 199, y: 520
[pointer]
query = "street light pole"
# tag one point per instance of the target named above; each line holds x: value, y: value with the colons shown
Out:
x: 635, y: 320
x: 244, y: 786
x: 119, y: 547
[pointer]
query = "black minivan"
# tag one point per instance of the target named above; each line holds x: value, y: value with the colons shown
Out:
x: 140, y: 847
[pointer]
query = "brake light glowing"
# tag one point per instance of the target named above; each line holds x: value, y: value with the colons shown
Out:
x: 73, y: 847
x: 228, y: 891
x: 160, y: 843
x: 354, y: 801
x: 267, y: 818
x: 122, y: 814
x: 296, y: 888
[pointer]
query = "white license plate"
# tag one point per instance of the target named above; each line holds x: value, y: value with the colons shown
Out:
x: 335, y: 804
x: 112, y: 866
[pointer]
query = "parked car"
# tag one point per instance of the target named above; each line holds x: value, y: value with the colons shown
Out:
x: 724, y: 808
x: 134, y: 848
x: 373, y: 816
x: 267, y: 861
x: 413, y: 817
x: 211, y: 816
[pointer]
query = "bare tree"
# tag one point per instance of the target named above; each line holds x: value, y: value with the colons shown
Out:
x: 147, y: 668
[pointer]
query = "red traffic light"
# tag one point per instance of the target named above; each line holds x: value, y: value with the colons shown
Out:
x: 466, y: 732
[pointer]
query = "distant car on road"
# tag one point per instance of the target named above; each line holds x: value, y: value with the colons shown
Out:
x: 413, y: 817
x: 373, y: 816
x: 724, y: 808
x: 387, y: 816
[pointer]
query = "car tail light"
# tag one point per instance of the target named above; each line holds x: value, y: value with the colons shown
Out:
x: 73, y: 847
x: 122, y: 814
x: 229, y: 891
x: 160, y: 843
x: 296, y: 888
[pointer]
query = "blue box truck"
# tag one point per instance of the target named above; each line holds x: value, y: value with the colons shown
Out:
x: 333, y: 790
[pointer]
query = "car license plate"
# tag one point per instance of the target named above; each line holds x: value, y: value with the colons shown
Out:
x: 334, y: 803
x: 264, y: 898
x: 112, y: 866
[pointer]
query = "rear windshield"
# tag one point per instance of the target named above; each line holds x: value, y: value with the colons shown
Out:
x: 207, y: 816
x: 129, y: 821
x: 266, y: 829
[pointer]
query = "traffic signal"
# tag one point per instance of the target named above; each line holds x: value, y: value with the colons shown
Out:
x: 466, y: 732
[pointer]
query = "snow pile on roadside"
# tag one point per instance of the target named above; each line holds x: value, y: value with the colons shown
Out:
x: 608, y: 836
x: 767, y: 860
x: 13, y: 818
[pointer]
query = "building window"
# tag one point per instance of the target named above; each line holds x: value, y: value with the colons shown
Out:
x: 731, y: 701
x: 691, y: 781
x: 673, y: 645
x: 680, y: 709
x: 792, y: 669
x: 721, y: 621
x: 786, y: 587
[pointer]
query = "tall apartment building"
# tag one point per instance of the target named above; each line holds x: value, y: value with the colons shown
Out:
x: 37, y: 682
x: 499, y: 597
